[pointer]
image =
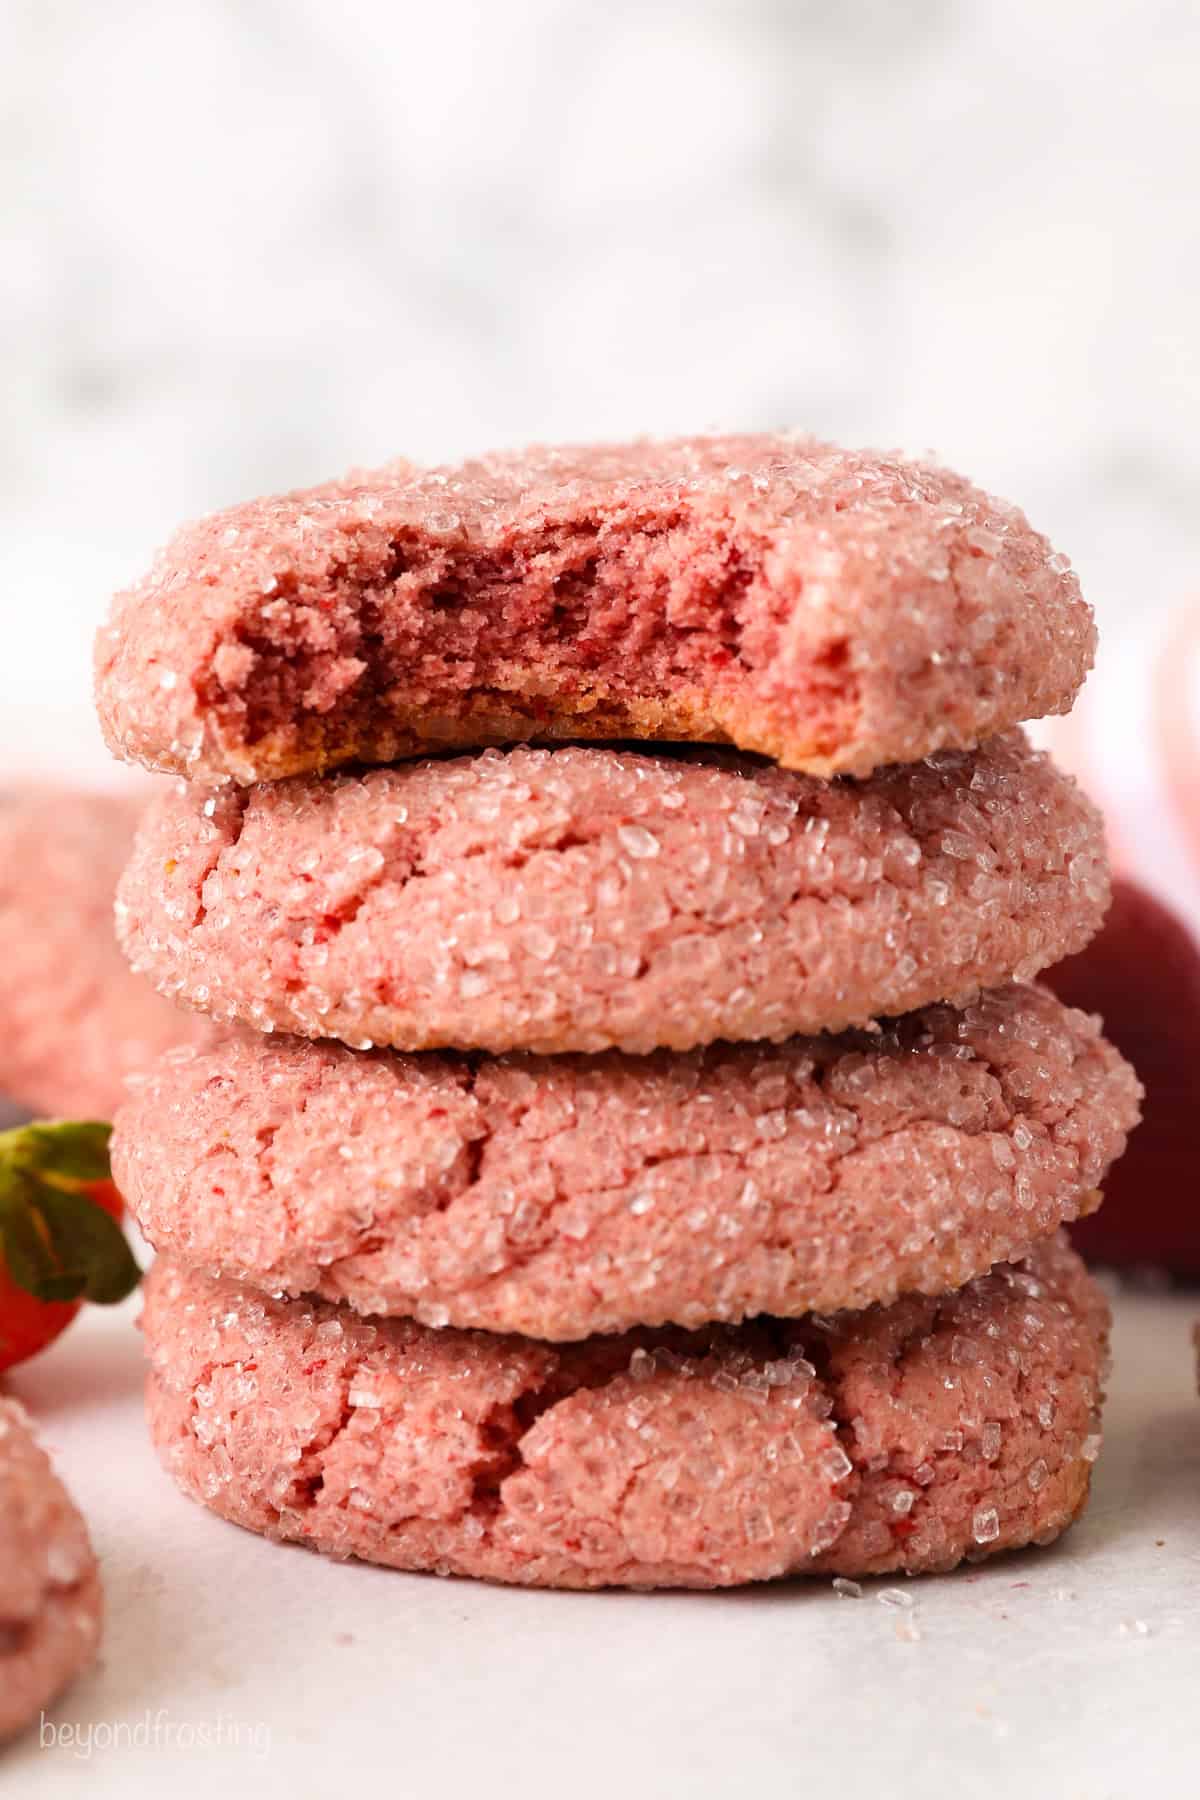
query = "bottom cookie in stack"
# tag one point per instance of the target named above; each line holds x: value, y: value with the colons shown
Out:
x: 904, y: 1437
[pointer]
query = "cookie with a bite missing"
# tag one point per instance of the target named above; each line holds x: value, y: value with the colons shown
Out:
x: 832, y: 609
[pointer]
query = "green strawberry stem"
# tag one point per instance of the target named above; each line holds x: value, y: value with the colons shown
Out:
x: 57, y: 1240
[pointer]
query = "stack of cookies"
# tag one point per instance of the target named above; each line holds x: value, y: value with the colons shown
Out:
x: 630, y: 1151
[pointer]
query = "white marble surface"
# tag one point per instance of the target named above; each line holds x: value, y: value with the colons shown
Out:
x: 246, y: 243
x: 1067, y: 1673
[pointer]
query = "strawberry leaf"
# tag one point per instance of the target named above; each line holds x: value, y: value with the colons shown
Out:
x: 73, y: 1150
x: 57, y: 1241
x: 28, y: 1253
x: 89, y: 1245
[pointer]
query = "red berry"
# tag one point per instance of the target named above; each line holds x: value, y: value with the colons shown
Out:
x: 27, y: 1325
x: 1142, y: 974
x: 60, y: 1243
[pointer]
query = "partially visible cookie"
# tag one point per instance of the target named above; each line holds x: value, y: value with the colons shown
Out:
x: 74, y: 1022
x: 832, y: 609
x: 900, y: 1438
x: 50, y: 1597
x: 563, y: 1196
x: 582, y: 899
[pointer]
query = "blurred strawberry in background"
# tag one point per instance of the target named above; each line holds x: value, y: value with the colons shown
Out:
x: 1142, y: 974
x: 1134, y: 742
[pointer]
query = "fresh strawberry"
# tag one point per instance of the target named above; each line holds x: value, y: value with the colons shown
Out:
x: 1142, y: 975
x: 60, y: 1238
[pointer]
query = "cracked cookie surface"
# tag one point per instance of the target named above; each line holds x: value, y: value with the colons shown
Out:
x: 906, y: 1437
x: 582, y: 899
x: 563, y: 1196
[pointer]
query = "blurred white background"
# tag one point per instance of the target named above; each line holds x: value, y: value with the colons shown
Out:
x: 249, y: 242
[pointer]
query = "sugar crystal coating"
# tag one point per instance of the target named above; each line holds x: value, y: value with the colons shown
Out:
x: 569, y: 1195
x: 73, y: 1021
x: 654, y: 1459
x: 50, y: 1598
x: 833, y: 609
x: 581, y: 898
x: 958, y: 1425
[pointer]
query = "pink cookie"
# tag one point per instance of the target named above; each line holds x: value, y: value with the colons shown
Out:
x: 581, y: 899
x: 570, y: 1195
x: 73, y: 1021
x: 834, y: 609
x: 50, y: 1598
x: 905, y: 1438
